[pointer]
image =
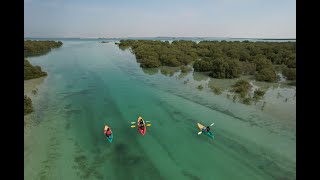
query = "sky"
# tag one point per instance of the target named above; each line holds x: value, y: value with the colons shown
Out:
x: 166, y: 18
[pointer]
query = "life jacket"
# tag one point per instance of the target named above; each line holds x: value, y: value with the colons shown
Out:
x: 108, y: 132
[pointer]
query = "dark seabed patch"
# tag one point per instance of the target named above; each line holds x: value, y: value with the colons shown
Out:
x: 87, y: 169
x: 52, y: 155
x: 68, y: 126
x: 73, y: 112
x: 83, y: 92
x: 257, y: 159
x: 190, y: 175
x: 123, y: 158
x: 68, y: 106
x: 132, y: 106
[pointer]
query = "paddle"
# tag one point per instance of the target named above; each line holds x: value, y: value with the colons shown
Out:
x: 201, y: 131
x: 133, y: 126
x: 135, y: 122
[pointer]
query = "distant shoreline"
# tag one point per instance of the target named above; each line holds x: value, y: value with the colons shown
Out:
x: 279, y: 39
x: 157, y: 37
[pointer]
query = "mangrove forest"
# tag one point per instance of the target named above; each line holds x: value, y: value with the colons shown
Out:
x: 222, y: 59
x: 35, y: 48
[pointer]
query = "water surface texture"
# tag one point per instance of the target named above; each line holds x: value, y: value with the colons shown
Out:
x: 91, y: 84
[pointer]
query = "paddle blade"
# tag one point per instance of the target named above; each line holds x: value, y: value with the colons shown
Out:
x: 133, y: 122
x: 133, y: 126
x: 199, y: 132
x: 148, y: 124
x: 212, y: 124
x: 147, y: 121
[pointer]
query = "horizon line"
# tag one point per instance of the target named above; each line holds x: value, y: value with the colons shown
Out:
x: 161, y: 37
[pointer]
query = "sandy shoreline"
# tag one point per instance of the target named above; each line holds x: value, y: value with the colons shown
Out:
x: 32, y: 84
x: 29, y: 86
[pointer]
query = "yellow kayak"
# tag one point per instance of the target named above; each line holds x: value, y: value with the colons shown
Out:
x: 200, y: 126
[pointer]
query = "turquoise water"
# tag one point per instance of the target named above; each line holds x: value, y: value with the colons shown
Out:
x: 91, y: 84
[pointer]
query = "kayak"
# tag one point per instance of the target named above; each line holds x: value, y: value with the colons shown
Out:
x: 144, y: 130
x: 110, y: 138
x: 200, y: 126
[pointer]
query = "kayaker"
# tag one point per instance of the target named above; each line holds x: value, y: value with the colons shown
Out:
x: 206, y: 129
x: 141, y: 124
x: 108, y: 132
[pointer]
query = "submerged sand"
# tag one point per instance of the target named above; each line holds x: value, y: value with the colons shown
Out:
x: 94, y: 84
x: 32, y: 84
x: 30, y: 89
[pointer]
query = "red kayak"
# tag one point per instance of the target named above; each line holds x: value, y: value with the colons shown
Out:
x: 144, y: 130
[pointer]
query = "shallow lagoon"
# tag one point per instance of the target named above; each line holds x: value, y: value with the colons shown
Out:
x: 91, y: 84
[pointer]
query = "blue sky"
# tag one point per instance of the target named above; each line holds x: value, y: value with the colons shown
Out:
x: 151, y: 18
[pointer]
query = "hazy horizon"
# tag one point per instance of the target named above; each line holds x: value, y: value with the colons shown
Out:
x: 144, y: 19
x: 159, y: 37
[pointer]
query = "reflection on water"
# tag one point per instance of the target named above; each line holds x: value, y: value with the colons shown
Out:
x: 169, y: 71
x: 182, y: 75
x: 123, y: 48
x: 165, y: 70
x: 200, y: 76
x: 150, y: 71
x: 272, y: 100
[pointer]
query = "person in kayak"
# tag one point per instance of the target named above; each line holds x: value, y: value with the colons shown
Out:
x: 141, y: 124
x: 108, y: 132
x: 206, y: 129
